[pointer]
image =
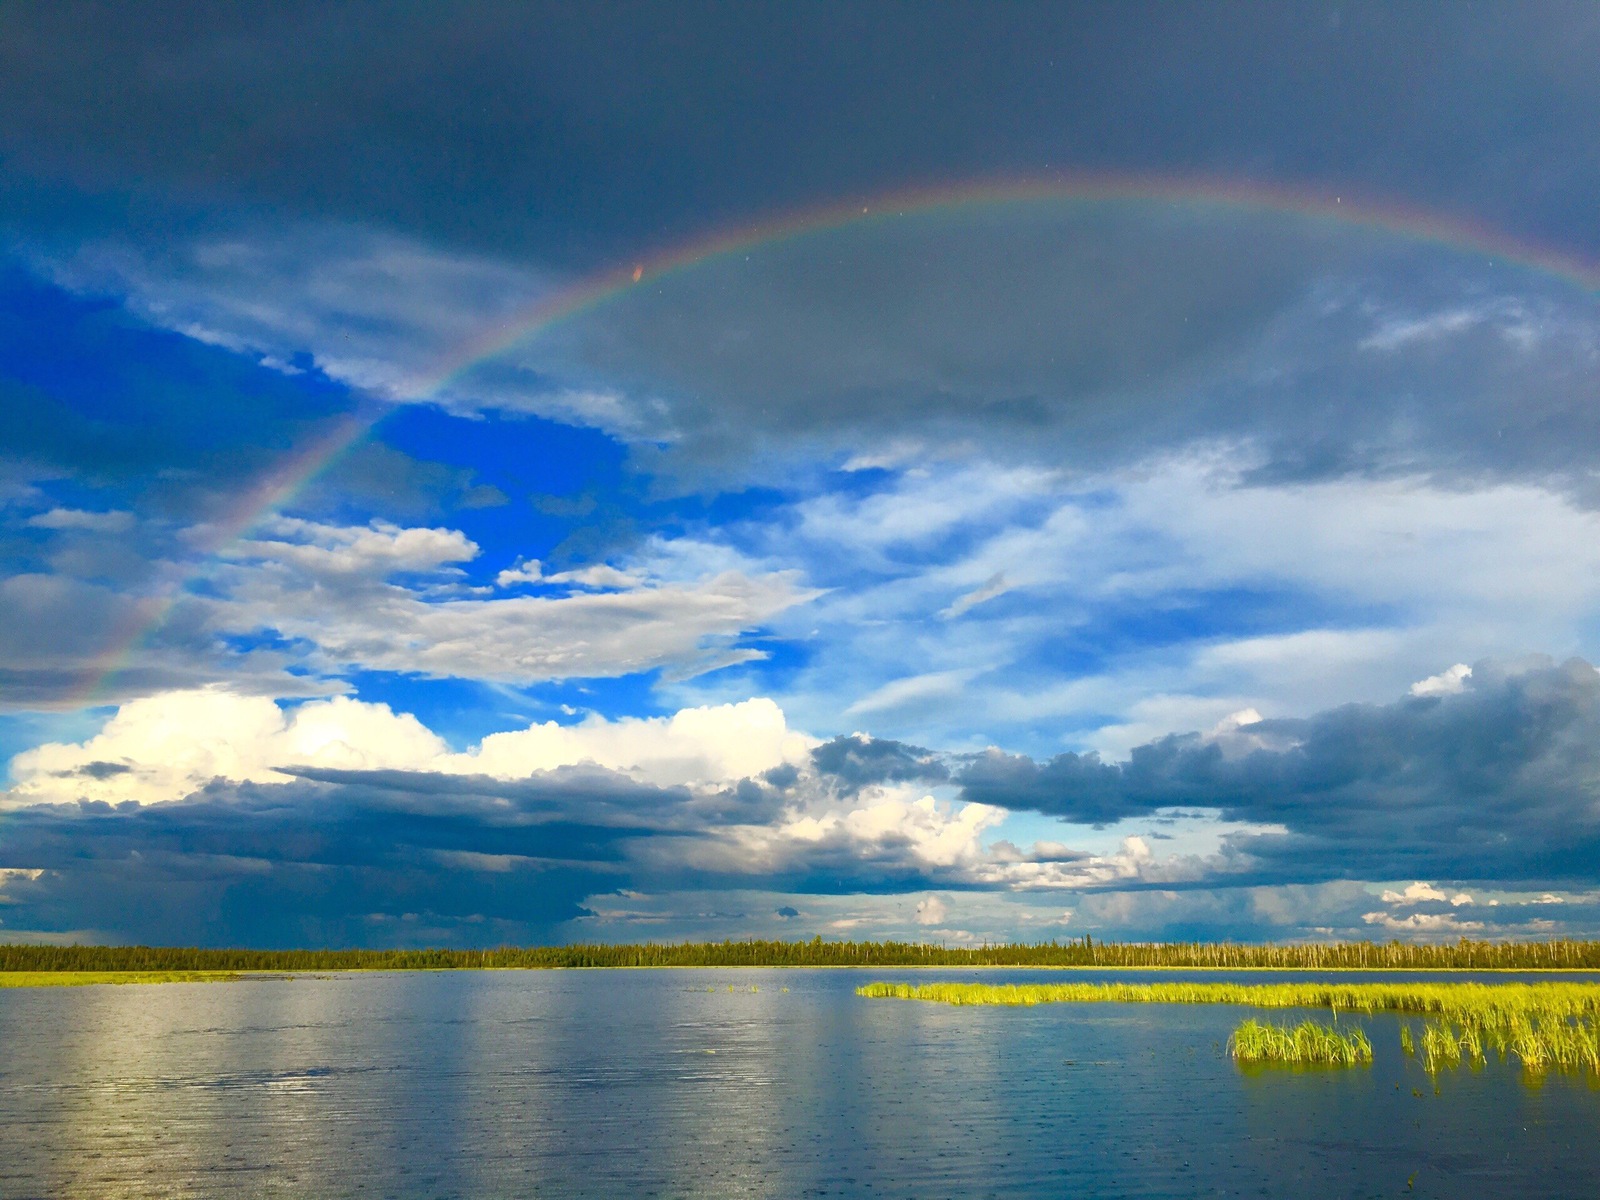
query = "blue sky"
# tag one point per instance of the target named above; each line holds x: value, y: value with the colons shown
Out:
x: 1214, y: 555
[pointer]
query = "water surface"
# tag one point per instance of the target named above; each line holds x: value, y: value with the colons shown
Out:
x: 665, y: 1083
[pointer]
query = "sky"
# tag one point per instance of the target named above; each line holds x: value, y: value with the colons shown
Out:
x: 522, y: 473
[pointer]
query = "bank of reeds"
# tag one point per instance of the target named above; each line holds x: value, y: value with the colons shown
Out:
x: 1309, y: 1043
x: 1542, y: 1026
x: 1449, y: 1000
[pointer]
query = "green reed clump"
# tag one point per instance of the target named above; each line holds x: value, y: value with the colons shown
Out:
x: 1309, y: 1043
x: 1439, y: 1048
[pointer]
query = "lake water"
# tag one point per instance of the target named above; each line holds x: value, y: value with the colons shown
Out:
x: 646, y: 1083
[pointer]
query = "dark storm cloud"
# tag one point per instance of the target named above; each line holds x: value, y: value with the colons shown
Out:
x: 577, y: 128
x: 1092, y: 337
x: 375, y: 857
x: 575, y: 136
x: 369, y: 859
x: 603, y: 797
x: 855, y: 761
x: 1500, y: 782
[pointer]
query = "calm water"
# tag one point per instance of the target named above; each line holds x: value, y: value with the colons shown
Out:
x: 643, y: 1083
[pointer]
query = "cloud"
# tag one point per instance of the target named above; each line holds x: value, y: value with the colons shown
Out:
x: 1494, y: 782
x: 334, y: 854
x: 310, y: 863
x: 712, y: 744
x: 115, y: 521
x: 1445, y: 683
x: 1160, y: 598
x: 342, y: 590
x: 164, y: 748
x: 861, y: 341
x: 915, y: 691
x: 531, y: 571
x: 875, y: 336
x: 891, y: 838
x: 65, y: 638
x: 932, y: 910
x: 233, y: 105
x: 995, y: 585
x: 1435, y: 924
x: 1419, y: 892
x: 859, y: 760
x: 337, y: 817
x: 375, y: 310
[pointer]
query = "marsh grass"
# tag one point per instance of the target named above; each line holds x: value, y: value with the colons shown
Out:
x: 1542, y: 1026
x: 10, y: 979
x: 1309, y: 1043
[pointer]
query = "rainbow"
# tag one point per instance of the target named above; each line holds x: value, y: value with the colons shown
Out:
x: 300, y: 468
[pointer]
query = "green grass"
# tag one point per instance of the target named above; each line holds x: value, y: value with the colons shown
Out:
x: 85, y: 978
x: 1308, y: 1043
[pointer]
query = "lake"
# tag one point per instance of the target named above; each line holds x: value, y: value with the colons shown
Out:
x: 666, y: 1083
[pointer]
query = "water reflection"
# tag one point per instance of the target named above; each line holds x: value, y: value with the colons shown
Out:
x: 646, y: 1083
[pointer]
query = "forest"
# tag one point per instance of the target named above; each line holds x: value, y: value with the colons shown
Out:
x: 1085, y: 952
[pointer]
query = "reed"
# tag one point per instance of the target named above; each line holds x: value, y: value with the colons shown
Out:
x: 1439, y: 1049
x: 1308, y: 1043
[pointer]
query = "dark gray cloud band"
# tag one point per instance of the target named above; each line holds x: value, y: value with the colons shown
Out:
x: 1498, y: 782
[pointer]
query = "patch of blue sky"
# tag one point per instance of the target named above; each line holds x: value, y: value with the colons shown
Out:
x: 1183, y: 617
x: 571, y: 497
x: 110, y: 367
x: 461, y: 711
x: 524, y: 455
x: 21, y: 731
x: 782, y: 668
x: 567, y: 701
x: 260, y: 639
x: 745, y: 504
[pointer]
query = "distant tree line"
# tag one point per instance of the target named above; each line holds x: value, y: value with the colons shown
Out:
x: 1462, y: 955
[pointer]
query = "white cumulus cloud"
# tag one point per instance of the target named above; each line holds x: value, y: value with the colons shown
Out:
x: 386, y: 598
x: 164, y: 747
x: 1445, y: 683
